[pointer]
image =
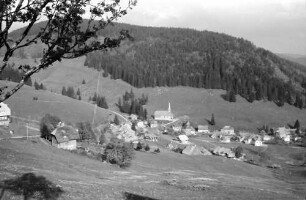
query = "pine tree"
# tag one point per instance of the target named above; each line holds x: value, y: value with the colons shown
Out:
x: 116, y: 120
x: 70, y: 92
x: 78, y: 92
x: 36, y: 86
x: 64, y: 92
x: 212, y: 120
x: 297, y: 124
x: 41, y: 87
x: 83, y: 82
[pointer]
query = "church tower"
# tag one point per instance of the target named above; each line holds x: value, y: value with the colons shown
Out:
x: 169, y: 108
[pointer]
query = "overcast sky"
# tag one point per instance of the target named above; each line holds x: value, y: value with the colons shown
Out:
x: 277, y: 25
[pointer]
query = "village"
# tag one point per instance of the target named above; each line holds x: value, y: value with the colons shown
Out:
x: 165, y: 132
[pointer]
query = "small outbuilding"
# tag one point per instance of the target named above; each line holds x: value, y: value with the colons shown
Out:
x: 65, y: 137
x: 203, y: 129
x: 5, y: 114
x: 183, y: 139
x: 228, y: 130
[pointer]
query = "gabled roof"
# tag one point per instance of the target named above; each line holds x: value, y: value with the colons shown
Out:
x: 65, y: 134
x: 4, y: 110
x: 159, y: 113
x: 202, y: 127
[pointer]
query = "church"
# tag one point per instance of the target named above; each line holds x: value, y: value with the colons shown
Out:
x: 164, y: 115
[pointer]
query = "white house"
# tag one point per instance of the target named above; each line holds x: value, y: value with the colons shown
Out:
x: 203, y: 129
x: 5, y: 114
x: 184, y: 139
x: 258, y: 143
x: 164, y: 115
x: 228, y: 130
x: 287, y: 138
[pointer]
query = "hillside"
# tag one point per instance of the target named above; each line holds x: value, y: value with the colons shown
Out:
x: 197, y: 103
x: 202, y: 59
x: 69, y: 110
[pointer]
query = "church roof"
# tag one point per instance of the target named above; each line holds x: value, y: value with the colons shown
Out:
x: 162, y: 113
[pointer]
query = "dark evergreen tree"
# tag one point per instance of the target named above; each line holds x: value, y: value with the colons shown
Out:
x: 116, y: 120
x: 36, y: 86
x: 212, y: 120
x: 297, y: 124
x: 64, y: 92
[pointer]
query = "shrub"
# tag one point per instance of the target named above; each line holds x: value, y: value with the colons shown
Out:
x: 47, y: 124
x: 157, y: 150
x: 238, y: 151
x: 119, y: 152
x: 139, y: 146
x: 147, y: 148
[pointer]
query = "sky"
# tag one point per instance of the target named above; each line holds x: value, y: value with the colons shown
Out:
x: 276, y: 25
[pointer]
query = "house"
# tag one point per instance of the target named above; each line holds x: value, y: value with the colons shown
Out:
x: 164, y: 115
x: 5, y: 114
x: 287, y: 138
x: 226, y: 139
x: 65, y: 137
x: 153, y: 124
x: 228, y: 130
x: 126, y: 133
x: 183, y: 139
x: 177, y: 128
x: 282, y: 132
x: 258, y: 143
x: 267, y: 137
x: 203, y: 129
x: 152, y: 135
x: 248, y: 140
x: 140, y: 124
x: 133, y: 117
x: 189, y: 131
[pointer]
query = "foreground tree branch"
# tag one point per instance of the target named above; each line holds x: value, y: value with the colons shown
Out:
x: 63, y: 33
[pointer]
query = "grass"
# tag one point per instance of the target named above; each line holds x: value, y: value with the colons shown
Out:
x: 199, y: 104
x: 193, y: 177
x: 67, y: 109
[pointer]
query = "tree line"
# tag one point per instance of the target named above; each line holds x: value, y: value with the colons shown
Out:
x: 182, y: 57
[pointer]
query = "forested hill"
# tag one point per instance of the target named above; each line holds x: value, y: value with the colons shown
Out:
x: 203, y: 59
x: 176, y: 56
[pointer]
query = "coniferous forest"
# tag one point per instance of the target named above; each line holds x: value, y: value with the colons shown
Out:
x: 202, y: 59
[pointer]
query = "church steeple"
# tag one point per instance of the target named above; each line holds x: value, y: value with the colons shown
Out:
x: 169, y: 108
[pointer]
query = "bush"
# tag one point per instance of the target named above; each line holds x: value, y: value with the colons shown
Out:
x: 119, y: 152
x: 157, y: 150
x: 47, y: 124
x: 238, y: 151
x: 147, y: 148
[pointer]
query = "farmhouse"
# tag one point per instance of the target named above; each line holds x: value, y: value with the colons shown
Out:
x: 65, y: 137
x: 5, y: 114
x: 183, y: 139
x: 284, y: 133
x: 164, y: 115
x: 228, y: 130
x: 203, y: 129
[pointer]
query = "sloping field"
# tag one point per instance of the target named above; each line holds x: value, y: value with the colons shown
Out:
x: 69, y: 110
x: 166, y: 175
x: 199, y: 104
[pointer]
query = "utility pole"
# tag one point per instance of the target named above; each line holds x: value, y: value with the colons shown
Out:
x: 95, y: 109
x: 27, y: 131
